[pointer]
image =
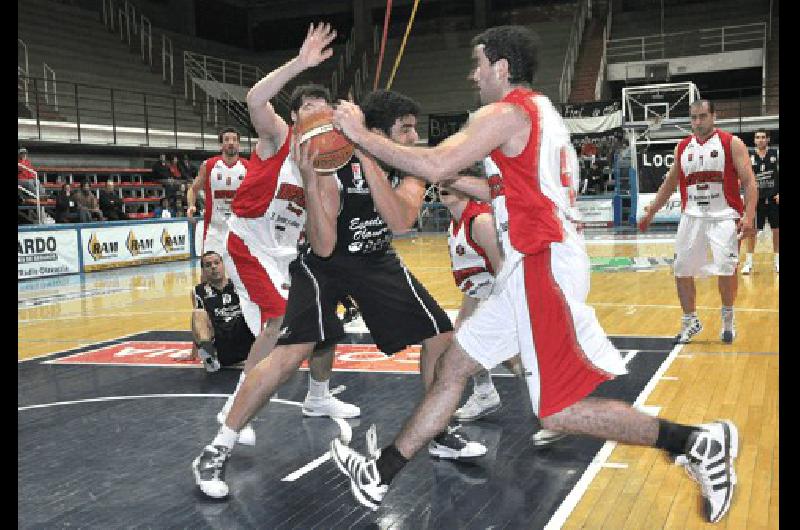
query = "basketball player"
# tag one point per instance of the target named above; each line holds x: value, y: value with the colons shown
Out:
x: 352, y: 216
x: 475, y: 257
x: 219, y: 331
x: 765, y: 167
x: 709, y: 166
x: 538, y: 305
x: 267, y: 219
x: 220, y: 176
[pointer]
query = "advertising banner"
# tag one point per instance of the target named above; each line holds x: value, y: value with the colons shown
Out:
x: 122, y: 246
x: 440, y: 126
x: 47, y: 253
x: 596, y: 212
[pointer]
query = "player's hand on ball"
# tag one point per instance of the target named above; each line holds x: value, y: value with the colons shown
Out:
x: 315, y: 47
x: 304, y: 158
x: 349, y: 119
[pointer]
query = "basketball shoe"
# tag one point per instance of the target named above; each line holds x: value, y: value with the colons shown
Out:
x: 709, y: 457
x: 209, y: 471
x: 451, y: 444
x: 747, y: 268
x: 546, y: 437
x: 728, y: 332
x: 690, y: 326
x: 478, y: 405
x: 329, y: 406
x: 365, y: 480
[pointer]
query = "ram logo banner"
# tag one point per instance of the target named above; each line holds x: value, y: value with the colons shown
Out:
x: 102, y: 249
x: 172, y: 243
x: 138, y: 246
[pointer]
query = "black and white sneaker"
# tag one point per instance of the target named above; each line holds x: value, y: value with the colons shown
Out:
x: 365, y: 481
x: 689, y: 328
x: 209, y: 471
x: 451, y: 444
x: 709, y: 458
x: 546, y: 437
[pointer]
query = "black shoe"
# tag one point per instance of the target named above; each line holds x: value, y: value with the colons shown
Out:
x: 451, y: 444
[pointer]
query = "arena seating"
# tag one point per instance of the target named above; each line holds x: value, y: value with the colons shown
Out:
x: 139, y: 196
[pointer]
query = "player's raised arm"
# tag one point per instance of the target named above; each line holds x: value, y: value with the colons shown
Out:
x: 271, y: 128
x: 490, y: 127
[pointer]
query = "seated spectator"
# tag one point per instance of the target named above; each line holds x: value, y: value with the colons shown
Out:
x: 163, y: 210
x: 187, y: 170
x: 66, y: 209
x: 161, y: 170
x: 111, y: 203
x: 180, y: 208
x: 87, y: 203
x: 593, y: 180
x: 174, y: 168
x: 26, y: 177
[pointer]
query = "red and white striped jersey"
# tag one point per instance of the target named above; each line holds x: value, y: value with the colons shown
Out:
x: 221, y: 184
x: 534, y: 193
x: 708, y: 182
x: 271, y: 197
x: 472, y: 269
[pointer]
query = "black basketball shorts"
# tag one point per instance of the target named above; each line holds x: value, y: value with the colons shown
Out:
x: 233, y: 344
x: 395, y: 307
x: 766, y: 211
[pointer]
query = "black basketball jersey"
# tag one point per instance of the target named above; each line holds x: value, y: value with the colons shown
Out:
x: 766, y: 172
x: 360, y: 229
x: 222, y: 306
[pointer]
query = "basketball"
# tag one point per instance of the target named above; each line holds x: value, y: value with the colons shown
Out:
x: 333, y: 147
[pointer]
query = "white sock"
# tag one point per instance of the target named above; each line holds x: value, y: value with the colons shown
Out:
x: 225, y: 437
x: 483, y: 383
x: 690, y: 316
x: 749, y: 258
x: 317, y: 389
x: 776, y: 257
x: 727, y: 317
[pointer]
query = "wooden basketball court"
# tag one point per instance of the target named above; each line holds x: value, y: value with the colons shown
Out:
x: 632, y: 292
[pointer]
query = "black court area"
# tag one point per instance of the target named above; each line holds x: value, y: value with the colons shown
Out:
x: 104, y: 446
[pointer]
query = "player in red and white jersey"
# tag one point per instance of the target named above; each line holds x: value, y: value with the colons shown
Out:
x: 268, y: 216
x: 219, y: 176
x: 538, y: 305
x: 475, y: 257
x: 709, y: 166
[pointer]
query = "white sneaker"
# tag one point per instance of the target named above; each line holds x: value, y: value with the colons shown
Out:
x: 365, y: 481
x: 776, y: 264
x: 709, y: 461
x: 546, y: 437
x: 747, y: 268
x: 689, y: 328
x: 478, y: 406
x: 209, y: 471
x: 329, y: 406
x: 451, y: 444
x: 210, y: 362
x: 247, y: 436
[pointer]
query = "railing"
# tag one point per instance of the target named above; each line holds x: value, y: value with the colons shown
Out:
x: 39, y: 212
x: 146, y: 40
x: 687, y: 43
x: 601, y: 73
x: 583, y: 13
x: 22, y: 72
x: 224, y: 70
x: 195, y: 70
x: 167, y: 55
x: 105, y: 115
x: 47, y: 79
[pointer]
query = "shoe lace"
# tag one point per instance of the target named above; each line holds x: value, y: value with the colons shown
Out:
x: 217, y: 460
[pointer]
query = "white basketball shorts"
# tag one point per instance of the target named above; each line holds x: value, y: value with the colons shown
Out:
x: 696, y: 237
x: 538, y: 309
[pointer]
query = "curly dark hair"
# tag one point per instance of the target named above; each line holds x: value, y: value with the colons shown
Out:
x: 308, y: 90
x: 518, y: 45
x: 382, y: 108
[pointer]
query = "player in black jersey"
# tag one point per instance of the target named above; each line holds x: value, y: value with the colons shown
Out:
x: 351, y: 217
x: 765, y: 166
x: 219, y: 330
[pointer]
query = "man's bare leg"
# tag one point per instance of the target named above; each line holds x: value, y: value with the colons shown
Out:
x: 690, y: 324
x: 430, y: 353
x: 606, y: 419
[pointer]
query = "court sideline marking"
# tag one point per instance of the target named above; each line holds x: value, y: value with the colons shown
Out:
x: 571, y: 500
